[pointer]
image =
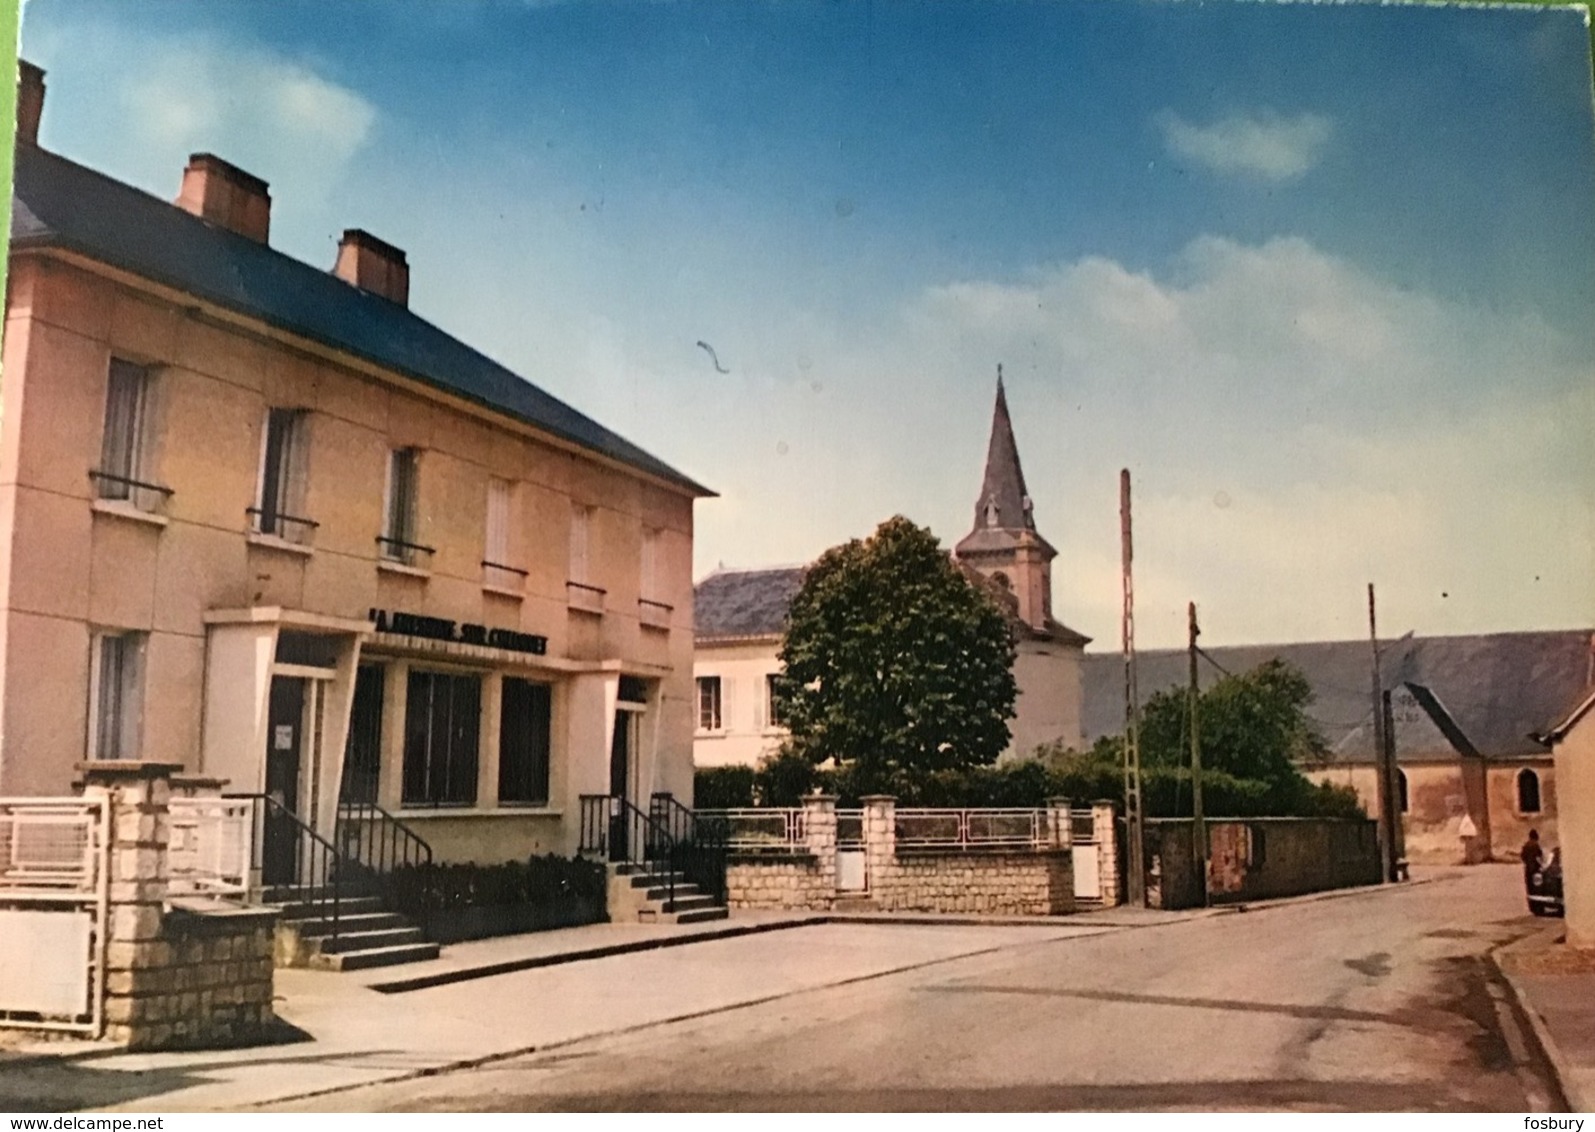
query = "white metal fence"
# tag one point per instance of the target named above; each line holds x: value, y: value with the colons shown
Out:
x: 210, y: 850
x: 54, y: 886
x: 752, y: 830
x: 972, y: 829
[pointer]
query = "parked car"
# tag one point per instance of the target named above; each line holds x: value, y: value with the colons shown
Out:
x: 1545, y: 887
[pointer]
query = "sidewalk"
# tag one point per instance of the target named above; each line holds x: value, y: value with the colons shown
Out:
x: 1556, y: 989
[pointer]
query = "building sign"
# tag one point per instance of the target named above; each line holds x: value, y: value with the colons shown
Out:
x: 441, y: 629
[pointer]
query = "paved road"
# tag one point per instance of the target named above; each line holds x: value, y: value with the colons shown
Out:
x: 1379, y: 1000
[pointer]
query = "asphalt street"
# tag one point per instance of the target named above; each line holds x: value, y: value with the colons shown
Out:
x: 1379, y: 1000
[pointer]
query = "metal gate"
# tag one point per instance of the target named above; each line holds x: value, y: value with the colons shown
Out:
x: 1087, y: 855
x: 54, y: 885
x: 852, y: 873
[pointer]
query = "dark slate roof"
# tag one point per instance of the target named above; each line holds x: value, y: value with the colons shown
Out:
x: 1490, y: 692
x: 733, y: 604
x: 58, y: 203
x: 1003, y: 509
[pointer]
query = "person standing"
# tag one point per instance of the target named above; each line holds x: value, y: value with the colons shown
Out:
x: 1532, y: 854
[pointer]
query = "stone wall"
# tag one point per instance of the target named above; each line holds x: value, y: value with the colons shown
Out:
x: 1258, y: 858
x: 996, y: 880
x: 178, y: 974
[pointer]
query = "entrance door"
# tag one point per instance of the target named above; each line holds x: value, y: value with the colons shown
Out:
x: 284, y: 747
x: 620, y: 788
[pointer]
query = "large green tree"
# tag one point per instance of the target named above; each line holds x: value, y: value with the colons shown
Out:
x: 895, y: 663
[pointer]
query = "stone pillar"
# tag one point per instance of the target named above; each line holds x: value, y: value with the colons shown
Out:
x: 1060, y: 875
x: 138, y: 832
x: 1059, y: 830
x: 1105, y: 829
x: 880, y: 846
x: 819, y: 834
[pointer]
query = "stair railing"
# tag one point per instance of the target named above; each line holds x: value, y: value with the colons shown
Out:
x: 698, y: 845
x: 374, y: 843
x: 616, y: 831
x: 315, y: 868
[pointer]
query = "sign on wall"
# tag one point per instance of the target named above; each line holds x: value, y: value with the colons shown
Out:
x: 441, y: 629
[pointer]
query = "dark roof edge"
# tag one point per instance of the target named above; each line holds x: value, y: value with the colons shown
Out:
x: 728, y: 639
x: 53, y: 239
x: 1558, y: 731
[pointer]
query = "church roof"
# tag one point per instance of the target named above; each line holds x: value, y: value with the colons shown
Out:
x: 1487, y: 693
x: 1004, y: 509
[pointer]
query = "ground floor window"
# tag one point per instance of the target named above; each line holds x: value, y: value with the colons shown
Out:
x: 709, y: 703
x: 1528, y: 792
x: 442, y: 729
x: 117, y: 662
x: 525, y: 724
x: 362, y: 760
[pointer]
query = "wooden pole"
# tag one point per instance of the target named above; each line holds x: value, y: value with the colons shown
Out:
x: 1388, y: 817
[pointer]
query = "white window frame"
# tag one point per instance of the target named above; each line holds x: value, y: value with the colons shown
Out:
x: 403, y: 527
x: 118, y: 693
x: 125, y: 439
x: 700, y: 686
x: 287, y: 521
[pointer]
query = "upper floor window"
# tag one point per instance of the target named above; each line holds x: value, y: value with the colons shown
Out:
x: 772, y: 702
x: 399, y: 535
x: 1528, y: 792
x: 497, y: 570
x: 279, y: 503
x: 709, y: 716
x: 117, y: 676
x: 650, y: 582
x: 581, y: 523
x: 124, y: 458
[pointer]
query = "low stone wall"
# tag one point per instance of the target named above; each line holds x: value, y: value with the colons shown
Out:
x: 996, y: 880
x: 1258, y: 858
x: 996, y: 883
x: 779, y: 882
x: 178, y: 974
x: 204, y: 980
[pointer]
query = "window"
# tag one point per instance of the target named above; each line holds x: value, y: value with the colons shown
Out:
x: 399, y: 536
x: 496, y: 553
x: 525, y: 723
x: 117, y: 679
x: 709, y: 703
x: 649, y: 587
x: 279, y: 504
x: 1528, y: 792
x: 442, y: 726
x: 122, y: 470
x: 772, y: 701
x: 362, y: 760
x: 581, y: 521
x: 1401, y: 790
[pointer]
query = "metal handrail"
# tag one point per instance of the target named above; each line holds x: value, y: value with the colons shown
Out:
x: 320, y: 876
x: 698, y: 848
x: 264, y: 520
x: 756, y: 827
x: 401, y: 544
x: 585, y: 586
x: 617, y: 831
x: 509, y: 569
x: 664, y: 605
x: 966, y: 828
x: 112, y: 477
x: 376, y: 842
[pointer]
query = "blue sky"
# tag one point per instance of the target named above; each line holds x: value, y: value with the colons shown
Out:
x: 1320, y: 275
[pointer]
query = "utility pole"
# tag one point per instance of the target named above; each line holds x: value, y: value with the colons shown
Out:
x: 1389, y: 818
x: 1198, y: 825
x: 1134, y: 829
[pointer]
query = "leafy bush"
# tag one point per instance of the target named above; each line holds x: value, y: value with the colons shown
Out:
x: 414, y: 890
x: 723, y: 787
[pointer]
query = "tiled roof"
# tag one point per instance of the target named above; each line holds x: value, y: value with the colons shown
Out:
x: 59, y: 203
x: 1496, y: 689
x: 744, y: 603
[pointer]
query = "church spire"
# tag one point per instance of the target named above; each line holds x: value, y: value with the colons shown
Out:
x: 1004, y: 502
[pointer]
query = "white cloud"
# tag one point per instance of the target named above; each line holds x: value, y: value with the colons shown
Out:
x: 1263, y: 145
x: 278, y: 117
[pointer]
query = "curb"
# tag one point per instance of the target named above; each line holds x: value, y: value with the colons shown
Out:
x: 1561, y: 1070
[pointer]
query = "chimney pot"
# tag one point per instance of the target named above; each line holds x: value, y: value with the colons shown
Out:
x: 225, y: 195
x: 30, y: 101
x: 373, y: 265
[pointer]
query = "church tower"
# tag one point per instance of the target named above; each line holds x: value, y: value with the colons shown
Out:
x: 1004, y: 544
x: 1005, y: 547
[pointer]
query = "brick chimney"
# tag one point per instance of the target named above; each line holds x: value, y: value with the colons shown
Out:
x: 373, y: 265
x: 30, y: 102
x: 225, y: 195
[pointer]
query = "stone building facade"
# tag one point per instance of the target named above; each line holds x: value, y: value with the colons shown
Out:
x: 261, y: 521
